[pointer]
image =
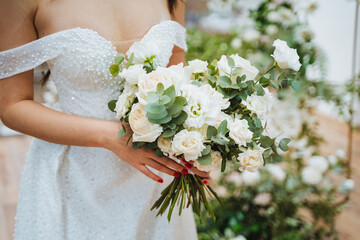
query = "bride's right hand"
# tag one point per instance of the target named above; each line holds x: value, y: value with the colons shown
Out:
x: 140, y: 158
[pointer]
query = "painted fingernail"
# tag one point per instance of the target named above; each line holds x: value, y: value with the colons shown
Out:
x: 204, y: 181
x: 160, y: 181
x: 185, y: 171
x: 176, y: 174
x: 188, y: 165
x: 183, y: 160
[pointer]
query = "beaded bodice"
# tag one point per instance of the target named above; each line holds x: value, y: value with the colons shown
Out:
x: 79, y: 61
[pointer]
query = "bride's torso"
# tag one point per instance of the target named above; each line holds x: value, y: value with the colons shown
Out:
x: 80, y: 39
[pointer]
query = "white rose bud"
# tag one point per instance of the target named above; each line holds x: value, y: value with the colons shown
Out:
x: 198, y: 66
x: 251, y: 159
x: 125, y: 100
x: 311, y: 176
x: 131, y: 74
x: 215, y: 162
x: 240, y: 133
x: 144, y: 131
x: 285, y: 56
x: 189, y: 143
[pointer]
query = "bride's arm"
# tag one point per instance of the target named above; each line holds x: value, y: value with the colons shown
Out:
x: 18, y: 111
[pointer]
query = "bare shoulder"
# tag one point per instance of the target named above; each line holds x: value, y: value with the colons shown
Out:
x: 17, y: 22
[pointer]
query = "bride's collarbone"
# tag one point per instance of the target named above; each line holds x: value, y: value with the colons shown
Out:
x: 117, y: 22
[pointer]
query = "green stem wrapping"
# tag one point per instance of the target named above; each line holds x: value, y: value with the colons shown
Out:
x: 187, y: 187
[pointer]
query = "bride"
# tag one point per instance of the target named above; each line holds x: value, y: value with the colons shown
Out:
x: 81, y: 181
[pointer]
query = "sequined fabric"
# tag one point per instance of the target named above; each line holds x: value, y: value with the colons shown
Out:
x: 70, y: 192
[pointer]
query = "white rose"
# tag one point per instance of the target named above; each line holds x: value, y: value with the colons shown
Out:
x: 250, y: 178
x: 347, y: 186
x: 272, y: 29
x: 165, y: 146
x: 340, y: 153
x: 319, y: 163
x: 332, y: 159
x: 311, y: 176
x: 251, y: 35
x: 131, y: 74
x: 198, y: 66
x: 216, y: 97
x: 144, y: 50
x: 215, y: 162
x: 236, y: 43
x: 276, y: 172
x: 274, y: 17
x: 221, y: 117
x: 239, y: 132
x: 251, y: 159
x: 191, y: 144
x: 148, y: 82
x: 144, y: 131
x: 285, y: 56
x: 257, y: 104
x: 246, y: 67
x: 125, y: 100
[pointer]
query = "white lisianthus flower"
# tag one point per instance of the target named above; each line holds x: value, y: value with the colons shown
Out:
x: 239, y: 132
x: 144, y: 131
x: 198, y: 66
x: 148, y: 82
x: 347, y: 186
x: 311, y: 175
x: 276, y: 172
x: 125, y: 100
x: 251, y: 159
x: 144, y: 50
x: 165, y: 146
x: 215, y: 162
x: 285, y: 56
x: 216, y: 97
x: 246, y: 68
x: 181, y: 75
x: 131, y: 74
x: 319, y: 163
x: 189, y: 143
x: 201, y: 109
x: 250, y: 178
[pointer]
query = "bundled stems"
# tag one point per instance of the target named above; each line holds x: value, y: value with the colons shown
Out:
x: 185, y: 191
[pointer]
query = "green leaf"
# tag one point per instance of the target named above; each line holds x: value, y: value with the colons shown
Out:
x: 170, y: 92
x: 211, y: 132
x: 122, y: 132
x: 296, y: 85
x: 205, y: 160
x: 236, y: 70
x: 266, y: 141
x: 158, y: 152
x: 129, y: 63
x: 222, y: 130
x: 114, y: 69
x: 112, y: 105
x: 160, y: 89
x: 231, y: 62
x: 181, y: 118
x: 224, y: 81
x: 168, y: 133
x: 206, y: 151
x: 150, y: 145
x: 260, y: 91
x: 196, y: 83
x: 266, y: 152
x: 219, y: 140
x: 157, y: 116
x: 119, y: 59
x: 138, y: 144
x: 283, y: 145
x: 164, y: 100
x: 177, y: 107
x: 164, y: 120
x: 155, y: 108
x: 152, y: 97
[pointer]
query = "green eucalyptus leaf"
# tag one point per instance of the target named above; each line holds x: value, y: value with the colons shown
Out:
x: 296, y: 85
x: 152, y: 97
x: 222, y: 130
x: 122, y: 132
x: 266, y: 152
x: 129, y: 63
x: 157, y: 116
x: 181, y: 118
x: 138, y: 144
x: 266, y: 141
x: 205, y: 160
x: 206, y: 151
x: 168, y: 133
x: 114, y: 69
x: 196, y: 83
x: 150, y: 145
x: 160, y: 89
x: 283, y: 145
x: 159, y: 153
x: 112, y: 105
x: 170, y: 92
x: 155, y: 108
x: 219, y: 140
x: 231, y: 62
x: 211, y: 132
x: 260, y: 91
x: 164, y: 120
x: 119, y: 58
x: 177, y: 107
x: 224, y: 81
x: 164, y: 100
x: 236, y: 70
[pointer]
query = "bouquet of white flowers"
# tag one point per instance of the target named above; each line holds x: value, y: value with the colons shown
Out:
x: 206, y: 114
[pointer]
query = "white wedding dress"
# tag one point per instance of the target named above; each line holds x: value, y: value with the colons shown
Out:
x: 70, y: 192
